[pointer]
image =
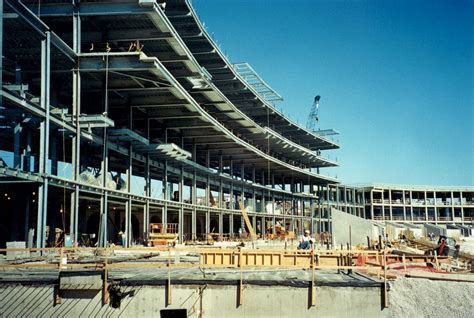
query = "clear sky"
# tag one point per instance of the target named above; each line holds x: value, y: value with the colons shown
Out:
x: 395, y: 78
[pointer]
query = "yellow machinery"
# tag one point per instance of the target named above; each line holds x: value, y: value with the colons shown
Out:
x: 159, y: 235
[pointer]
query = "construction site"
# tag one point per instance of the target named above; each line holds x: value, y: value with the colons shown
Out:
x: 144, y: 174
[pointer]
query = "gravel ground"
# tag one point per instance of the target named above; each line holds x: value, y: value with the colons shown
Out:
x: 467, y: 245
x: 411, y: 297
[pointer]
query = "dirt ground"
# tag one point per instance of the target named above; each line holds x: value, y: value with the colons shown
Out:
x: 412, y: 297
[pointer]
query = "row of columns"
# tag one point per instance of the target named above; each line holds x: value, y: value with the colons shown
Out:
x: 76, y: 164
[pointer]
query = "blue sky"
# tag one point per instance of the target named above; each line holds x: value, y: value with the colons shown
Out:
x: 396, y: 78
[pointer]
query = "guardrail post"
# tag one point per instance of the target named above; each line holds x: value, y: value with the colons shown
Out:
x: 312, y: 285
x: 168, y: 282
x: 385, y: 293
x: 240, y: 291
x: 105, y: 284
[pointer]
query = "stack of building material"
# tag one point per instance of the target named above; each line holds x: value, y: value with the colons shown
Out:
x: 14, y: 255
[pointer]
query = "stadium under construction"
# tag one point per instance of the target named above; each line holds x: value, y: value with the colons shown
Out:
x: 117, y: 115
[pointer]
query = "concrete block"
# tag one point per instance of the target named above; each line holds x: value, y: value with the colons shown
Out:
x: 13, y: 255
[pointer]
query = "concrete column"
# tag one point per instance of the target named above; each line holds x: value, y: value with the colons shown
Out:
x: 193, y: 224
x: 426, y: 208
x: 390, y: 204
x: 231, y: 224
x: 383, y: 205
x: 273, y: 225
x: 435, y: 207
x: 404, y: 206
x: 452, y: 207
x: 372, y: 203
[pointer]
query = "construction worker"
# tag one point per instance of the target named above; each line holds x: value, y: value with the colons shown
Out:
x: 306, y: 241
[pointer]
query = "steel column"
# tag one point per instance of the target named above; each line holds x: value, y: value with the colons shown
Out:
x: 1, y: 46
x: 17, y: 145
x: 164, y: 216
x: 76, y: 140
x: 181, y: 209
x: 128, y: 206
x: 44, y: 141
x: 146, y: 217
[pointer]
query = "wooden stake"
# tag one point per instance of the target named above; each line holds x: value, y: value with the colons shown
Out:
x: 168, y: 284
x: 241, y: 284
x: 385, y: 294
x: 105, y: 284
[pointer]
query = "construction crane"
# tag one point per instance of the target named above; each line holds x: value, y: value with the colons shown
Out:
x: 313, y: 115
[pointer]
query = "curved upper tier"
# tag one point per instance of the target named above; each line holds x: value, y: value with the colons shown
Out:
x: 167, y: 95
x: 208, y: 54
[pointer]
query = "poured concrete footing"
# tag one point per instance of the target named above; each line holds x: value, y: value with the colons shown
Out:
x: 197, y: 300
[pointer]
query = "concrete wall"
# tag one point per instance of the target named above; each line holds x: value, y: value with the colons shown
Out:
x: 210, y: 301
x: 435, y: 229
x: 454, y: 233
x: 360, y: 228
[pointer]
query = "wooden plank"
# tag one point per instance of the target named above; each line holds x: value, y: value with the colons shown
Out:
x: 247, y: 221
x: 439, y: 276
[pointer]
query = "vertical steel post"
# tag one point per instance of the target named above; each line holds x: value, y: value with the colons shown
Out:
x: 181, y: 208
x: 76, y: 141
x: 54, y: 155
x: 194, y: 202
x: 146, y: 208
x: 17, y: 145
x: 128, y: 207
x: 27, y: 157
x: 44, y: 141
x: 1, y: 46
x: 164, y: 217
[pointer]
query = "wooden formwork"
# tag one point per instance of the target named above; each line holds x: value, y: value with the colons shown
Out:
x: 236, y: 258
